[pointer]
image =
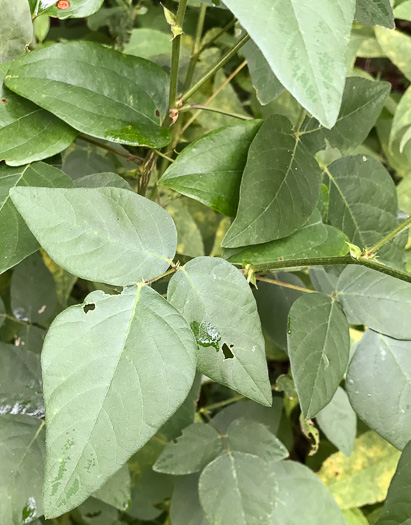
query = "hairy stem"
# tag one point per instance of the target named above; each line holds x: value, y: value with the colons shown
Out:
x: 175, y: 54
x: 214, y: 110
x: 128, y: 156
x: 196, y: 45
x: 403, y: 226
x: 284, y: 285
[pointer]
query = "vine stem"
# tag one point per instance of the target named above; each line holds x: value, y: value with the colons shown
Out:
x: 175, y: 54
x: 222, y: 62
x: 284, y: 285
x: 399, y: 229
x: 195, y: 52
x: 168, y: 272
x: 328, y: 261
x: 128, y: 156
x: 222, y: 403
x: 214, y: 110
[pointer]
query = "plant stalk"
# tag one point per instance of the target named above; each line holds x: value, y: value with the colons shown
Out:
x: 196, y: 45
x: 399, y: 229
x: 175, y: 54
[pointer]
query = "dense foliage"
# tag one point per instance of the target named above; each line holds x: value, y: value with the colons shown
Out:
x: 205, y: 297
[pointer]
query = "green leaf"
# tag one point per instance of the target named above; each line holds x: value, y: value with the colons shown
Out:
x: 149, y: 493
x: 355, y: 517
x: 116, y: 491
x: 136, y: 355
x: 362, y: 103
x: 364, y: 477
x: 27, y: 132
x: 118, y: 236
x: 148, y: 43
x: 363, y: 203
x: 274, y: 303
x: 198, y: 445
x: 311, y: 64
x: 402, y: 121
x: 75, y: 8
x: 279, y: 189
x: 403, y: 10
x: 87, y: 77
x: 314, y: 239
x: 210, y: 169
x: 379, y: 386
x: 20, y: 382
x: 16, y: 31
x: 189, y: 239
x: 3, y: 312
x: 102, y: 180
x: 266, y: 84
x: 21, y: 459
x: 314, y: 505
x: 16, y: 240
x: 33, y: 291
x: 238, y: 488
x: 378, y: 301
x: 375, y: 13
x: 338, y: 422
x: 397, y: 47
x: 319, y: 350
x: 256, y: 439
x: 404, y: 195
x: 64, y: 281
x: 215, y: 299
x: 186, y: 508
x: 397, y: 508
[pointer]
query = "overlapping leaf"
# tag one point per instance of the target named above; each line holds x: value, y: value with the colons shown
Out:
x: 132, y: 363
x: 96, y: 90
x: 16, y: 31
x: 279, y: 189
x: 108, y: 235
x: 63, y: 10
x: 217, y: 302
x: 379, y: 386
x: 305, y: 51
x: 375, y: 12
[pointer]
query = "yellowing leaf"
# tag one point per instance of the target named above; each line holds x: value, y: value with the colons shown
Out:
x: 364, y: 477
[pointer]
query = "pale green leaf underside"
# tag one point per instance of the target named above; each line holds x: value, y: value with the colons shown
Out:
x: 96, y: 90
x: 319, y: 350
x: 16, y: 30
x: 210, y: 169
x: 22, y: 453
x: 109, y: 235
x: 110, y: 387
x: 305, y: 44
x: 217, y: 302
x: 186, y: 508
x: 16, y: 240
x: 378, y: 301
x: 238, y: 488
x: 116, y: 491
x: 339, y: 422
x: 279, y: 189
x: 379, y: 386
x: 27, y: 132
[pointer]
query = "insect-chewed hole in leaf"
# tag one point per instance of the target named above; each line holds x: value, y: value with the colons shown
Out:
x: 228, y: 354
x: 89, y: 308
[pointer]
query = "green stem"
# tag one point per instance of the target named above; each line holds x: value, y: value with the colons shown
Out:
x: 222, y: 403
x: 175, y: 54
x: 403, y: 226
x: 327, y: 261
x: 196, y: 45
x: 284, y: 285
x: 214, y: 110
x: 226, y: 58
x: 129, y: 156
x: 168, y: 272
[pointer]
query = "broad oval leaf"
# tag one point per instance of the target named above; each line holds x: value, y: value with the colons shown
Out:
x: 319, y: 350
x: 16, y: 31
x: 238, y: 488
x: 185, y: 507
x: 397, y: 47
x: 402, y: 121
x: 403, y: 10
x: 108, y: 389
x: 253, y: 437
x: 279, y: 189
x: 198, y: 445
x: 75, y: 9
x: 375, y: 13
x: 216, y: 300
x: 314, y: 239
x: 116, y: 491
x: 364, y: 477
x: 379, y: 386
x: 27, y: 132
x: 16, y: 240
x: 109, y: 235
x: 96, y: 90
x: 311, y: 63
x: 210, y: 169
x: 22, y: 453
x: 102, y: 180
x: 397, y: 508
x: 20, y: 382
x: 339, y: 422
x: 363, y: 203
x: 302, y: 498
x: 378, y: 301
